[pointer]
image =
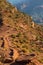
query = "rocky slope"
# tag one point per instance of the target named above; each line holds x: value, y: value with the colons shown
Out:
x: 21, y: 40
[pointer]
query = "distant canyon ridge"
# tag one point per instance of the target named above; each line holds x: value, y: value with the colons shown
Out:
x: 32, y: 7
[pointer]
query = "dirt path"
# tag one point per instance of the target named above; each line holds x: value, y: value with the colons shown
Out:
x: 4, y: 35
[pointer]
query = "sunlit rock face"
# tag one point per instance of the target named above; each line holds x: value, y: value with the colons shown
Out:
x: 31, y: 7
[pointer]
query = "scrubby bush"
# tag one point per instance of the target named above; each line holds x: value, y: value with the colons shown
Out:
x: 1, y: 21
